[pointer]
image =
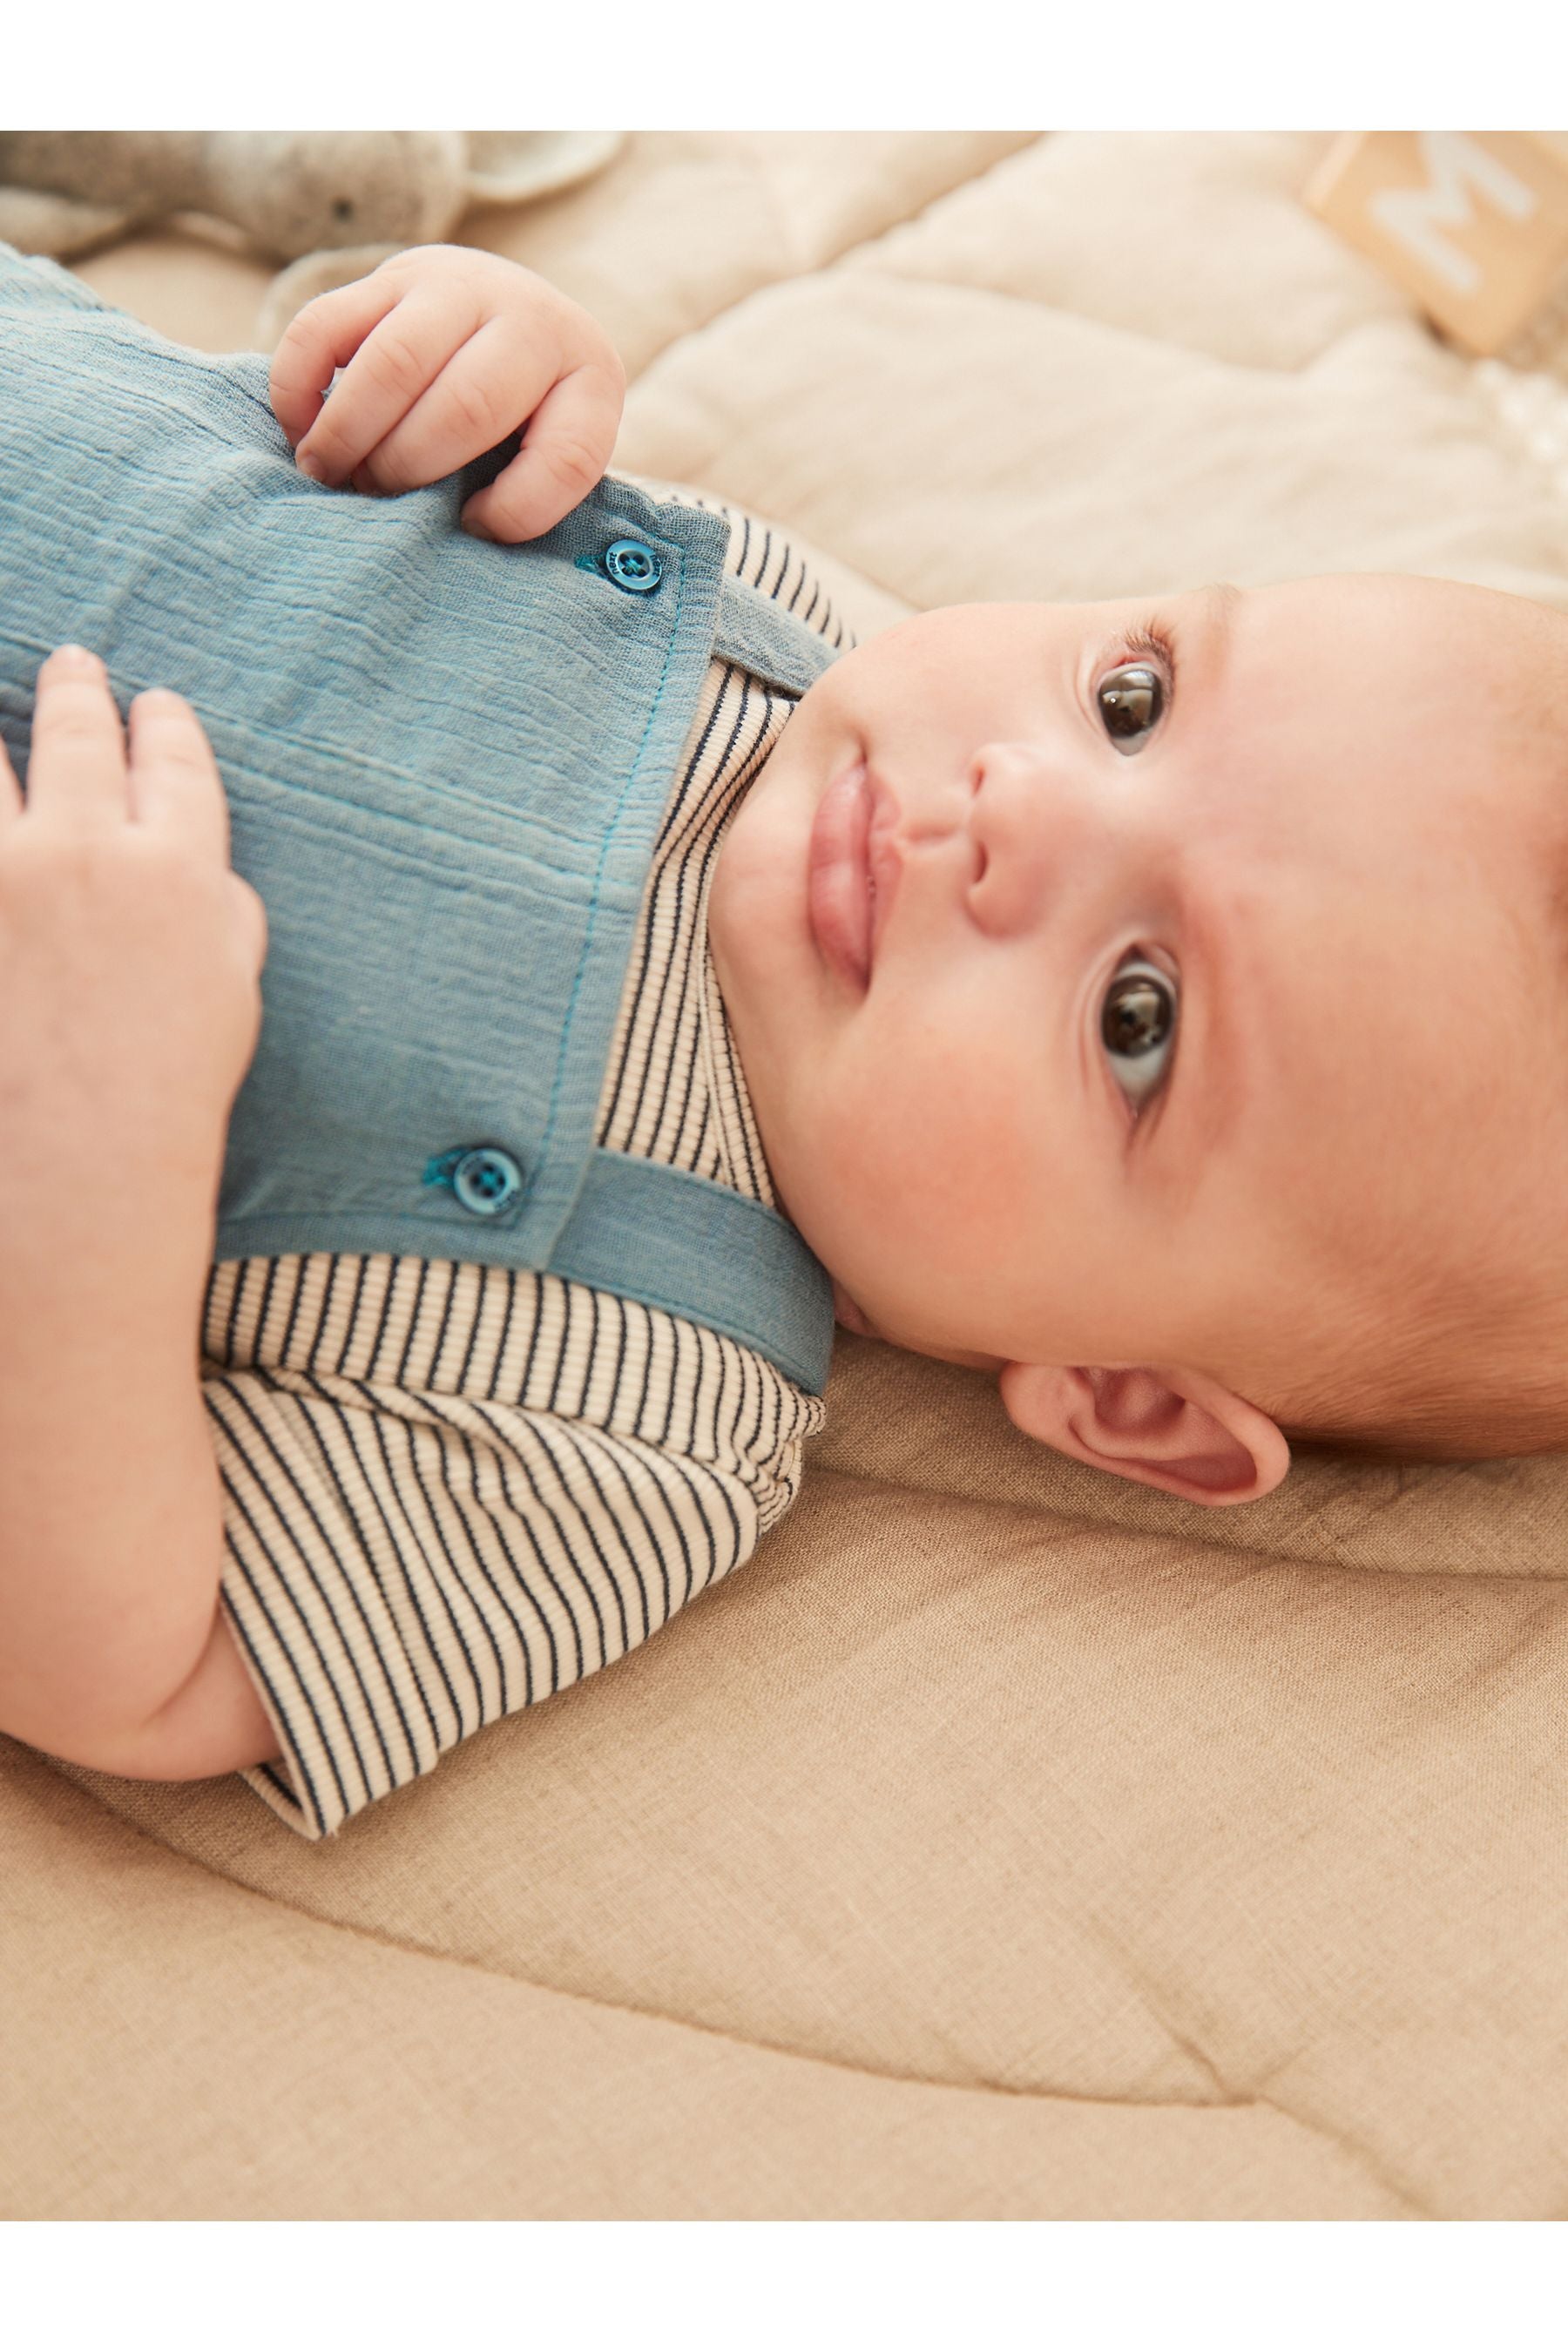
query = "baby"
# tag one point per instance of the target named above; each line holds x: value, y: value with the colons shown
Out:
x: 1156, y: 1003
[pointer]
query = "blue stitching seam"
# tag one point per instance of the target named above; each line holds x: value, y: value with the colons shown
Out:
x: 604, y: 854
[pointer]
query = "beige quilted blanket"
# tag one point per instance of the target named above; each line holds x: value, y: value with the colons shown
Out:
x: 1005, y: 1840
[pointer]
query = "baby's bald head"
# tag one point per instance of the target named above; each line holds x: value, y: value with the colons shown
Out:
x: 1449, y: 1340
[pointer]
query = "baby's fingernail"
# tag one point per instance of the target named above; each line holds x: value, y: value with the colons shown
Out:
x: 76, y: 657
x: 309, y: 463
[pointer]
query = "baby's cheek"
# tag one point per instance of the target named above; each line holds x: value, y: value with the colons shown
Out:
x: 913, y: 1136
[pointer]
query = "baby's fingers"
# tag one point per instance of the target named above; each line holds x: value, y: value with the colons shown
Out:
x: 320, y: 339
x: 564, y: 453
x: 174, y: 782
x: 395, y: 365
x: 484, y: 392
x: 76, y: 768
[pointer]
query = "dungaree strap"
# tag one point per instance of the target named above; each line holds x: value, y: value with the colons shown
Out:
x: 761, y: 636
x: 679, y: 1241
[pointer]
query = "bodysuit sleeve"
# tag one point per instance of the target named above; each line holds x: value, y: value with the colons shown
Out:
x: 404, y: 1567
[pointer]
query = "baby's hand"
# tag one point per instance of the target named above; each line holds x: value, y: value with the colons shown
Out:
x: 444, y: 351
x: 131, y: 955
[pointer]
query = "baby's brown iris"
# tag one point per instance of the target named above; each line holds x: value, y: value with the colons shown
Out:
x: 1131, y: 700
x: 1137, y: 1013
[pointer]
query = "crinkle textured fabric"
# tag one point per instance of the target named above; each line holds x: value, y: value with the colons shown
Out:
x: 1010, y: 1841
x: 406, y: 801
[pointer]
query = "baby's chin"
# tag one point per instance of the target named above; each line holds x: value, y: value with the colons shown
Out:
x: 845, y: 1311
x: 854, y: 1318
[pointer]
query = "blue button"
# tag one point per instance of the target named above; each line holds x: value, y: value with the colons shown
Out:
x: 633, y: 566
x: 485, y: 1179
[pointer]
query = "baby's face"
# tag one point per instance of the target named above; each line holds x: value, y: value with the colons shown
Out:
x: 1184, y: 988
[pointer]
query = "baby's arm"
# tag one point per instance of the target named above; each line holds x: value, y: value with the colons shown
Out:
x: 444, y: 351
x: 130, y: 1005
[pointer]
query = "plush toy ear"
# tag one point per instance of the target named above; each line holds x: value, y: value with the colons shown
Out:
x: 36, y: 220
x: 508, y: 167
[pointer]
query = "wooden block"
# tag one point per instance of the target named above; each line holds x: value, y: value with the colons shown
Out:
x: 1474, y: 224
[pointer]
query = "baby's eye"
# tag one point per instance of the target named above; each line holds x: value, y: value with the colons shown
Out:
x: 1131, y: 698
x: 1138, y: 1017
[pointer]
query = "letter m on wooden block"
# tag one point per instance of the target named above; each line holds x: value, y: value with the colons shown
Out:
x: 1474, y: 224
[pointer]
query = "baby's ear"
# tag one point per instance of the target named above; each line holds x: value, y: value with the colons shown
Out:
x: 1167, y: 1427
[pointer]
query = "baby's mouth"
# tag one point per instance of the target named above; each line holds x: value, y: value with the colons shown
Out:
x: 839, y: 886
x: 851, y: 874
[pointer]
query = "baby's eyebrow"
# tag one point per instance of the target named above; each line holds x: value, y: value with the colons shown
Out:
x: 1202, y: 637
x: 1209, y: 1100
x: 1223, y: 597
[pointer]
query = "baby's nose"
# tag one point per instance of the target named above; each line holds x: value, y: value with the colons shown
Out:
x: 1024, y: 835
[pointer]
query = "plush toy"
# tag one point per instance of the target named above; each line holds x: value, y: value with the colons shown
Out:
x: 333, y: 204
